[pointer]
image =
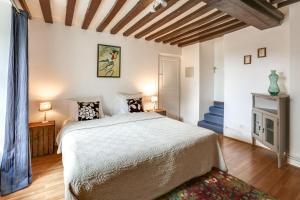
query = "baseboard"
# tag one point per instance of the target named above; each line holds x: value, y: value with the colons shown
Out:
x: 292, y: 160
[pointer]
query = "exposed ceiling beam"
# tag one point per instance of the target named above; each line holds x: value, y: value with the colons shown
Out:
x: 139, y: 7
x: 199, y: 12
x: 25, y: 8
x: 188, y: 5
x: 207, y: 31
x: 190, y: 26
x: 70, y: 12
x: 90, y: 13
x: 276, y: 1
x: 257, y: 13
x: 199, y: 29
x: 214, y: 35
x: 46, y: 10
x: 286, y: 3
x: 112, y: 13
x: 147, y: 18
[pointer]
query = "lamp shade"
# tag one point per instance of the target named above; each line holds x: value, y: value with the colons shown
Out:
x: 45, y: 106
x: 154, y: 99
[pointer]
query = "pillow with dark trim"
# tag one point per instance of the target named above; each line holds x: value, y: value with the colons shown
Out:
x: 88, y: 110
x: 135, y: 105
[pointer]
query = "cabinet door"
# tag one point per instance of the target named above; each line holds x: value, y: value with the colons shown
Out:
x: 257, y: 125
x: 270, y: 134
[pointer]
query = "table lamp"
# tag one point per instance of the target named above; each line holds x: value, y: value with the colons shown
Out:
x: 44, y: 107
x: 154, y: 99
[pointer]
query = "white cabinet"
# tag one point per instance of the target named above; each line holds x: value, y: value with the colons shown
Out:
x: 270, y: 125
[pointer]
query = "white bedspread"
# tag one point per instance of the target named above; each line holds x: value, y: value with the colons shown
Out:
x: 134, y: 156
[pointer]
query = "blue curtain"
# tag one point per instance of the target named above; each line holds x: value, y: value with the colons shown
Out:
x: 16, y: 162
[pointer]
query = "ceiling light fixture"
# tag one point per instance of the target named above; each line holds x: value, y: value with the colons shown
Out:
x: 157, y: 3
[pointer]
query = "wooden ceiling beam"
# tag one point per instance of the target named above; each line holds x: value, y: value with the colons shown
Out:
x: 25, y: 8
x: 199, y: 12
x: 137, y: 9
x: 112, y: 13
x: 207, y: 31
x: 90, y: 13
x: 70, y: 12
x: 46, y: 10
x: 190, y: 26
x: 286, y: 3
x: 257, y: 13
x: 214, y: 35
x: 147, y: 18
x: 199, y: 29
x: 188, y: 5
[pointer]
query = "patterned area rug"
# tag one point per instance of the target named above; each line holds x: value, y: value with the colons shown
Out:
x: 216, y: 185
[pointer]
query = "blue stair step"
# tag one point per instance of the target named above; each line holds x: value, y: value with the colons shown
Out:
x: 216, y: 119
x: 219, y: 104
x: 216, y: 110
x: 211, y: 126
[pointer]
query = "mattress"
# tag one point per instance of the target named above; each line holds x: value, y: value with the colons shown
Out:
x: 134, y: 156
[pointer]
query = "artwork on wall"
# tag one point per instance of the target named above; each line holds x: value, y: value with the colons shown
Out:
x: 247, y: 59
x: 109, y: 61
x: 262, y: 52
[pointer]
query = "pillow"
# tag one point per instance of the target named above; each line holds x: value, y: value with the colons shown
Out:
x: 121, y: 106
x: 135, y: 105
x: 73, y: 107
x: 88, y: 110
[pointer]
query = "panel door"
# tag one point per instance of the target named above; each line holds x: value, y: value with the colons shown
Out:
x: 270, y: 132
x: 257, y: 125
x: 169, y: 83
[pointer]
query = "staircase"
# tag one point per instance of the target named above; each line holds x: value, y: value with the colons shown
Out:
x: 214, y: 120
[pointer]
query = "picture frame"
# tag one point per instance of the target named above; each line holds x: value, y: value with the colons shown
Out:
x: 108, y: 61
x: 247, y: 59
x: 262, y: 52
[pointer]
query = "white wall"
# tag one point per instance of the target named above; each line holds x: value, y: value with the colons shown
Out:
x: 5, y: 26
x: 219, y: 71
x: 241, y: 80
x: 190, y: 86
x: 63, y: 63
x: 206, y: 77
x: 294, y: 83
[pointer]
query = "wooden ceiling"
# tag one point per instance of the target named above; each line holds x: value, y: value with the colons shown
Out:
x: 181, y: 22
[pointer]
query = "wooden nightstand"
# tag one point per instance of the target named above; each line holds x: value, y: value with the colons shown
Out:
x: 159, y: 111
x: 42, y: 138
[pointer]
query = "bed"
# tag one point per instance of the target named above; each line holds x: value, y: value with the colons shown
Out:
x: 134, y: 156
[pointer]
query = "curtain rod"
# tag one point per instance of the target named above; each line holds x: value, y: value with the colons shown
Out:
x: 15, y: 5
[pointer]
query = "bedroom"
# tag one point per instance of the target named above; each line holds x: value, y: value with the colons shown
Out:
x: 64, y: 61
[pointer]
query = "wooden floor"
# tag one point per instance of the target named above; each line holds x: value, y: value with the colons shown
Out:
x: 255, y: 166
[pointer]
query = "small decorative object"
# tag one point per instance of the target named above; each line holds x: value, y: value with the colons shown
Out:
x: 44, y: 107
x: 109, y: 61
x: 247, y: 59
x: 262, y: 52
x: 154, y: 99
x: 274, y: 88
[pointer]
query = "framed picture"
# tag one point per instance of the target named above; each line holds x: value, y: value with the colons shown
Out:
x: 247, y: 59
x: 262, y: 52
x: 108, y: 61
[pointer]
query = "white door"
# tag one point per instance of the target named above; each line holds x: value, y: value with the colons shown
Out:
x: 219, y: 70
x: 169, y: 76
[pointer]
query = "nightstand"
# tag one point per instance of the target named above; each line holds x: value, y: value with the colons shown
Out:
x: 159, y: 111
x: 42, y: 138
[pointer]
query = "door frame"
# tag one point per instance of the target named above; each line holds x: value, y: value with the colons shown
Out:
x: 179, y: 78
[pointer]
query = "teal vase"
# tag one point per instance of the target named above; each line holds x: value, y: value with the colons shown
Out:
x: 274, y: 88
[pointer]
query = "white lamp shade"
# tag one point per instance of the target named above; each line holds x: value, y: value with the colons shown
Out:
x: 45, y: 106
x: 154, y: 99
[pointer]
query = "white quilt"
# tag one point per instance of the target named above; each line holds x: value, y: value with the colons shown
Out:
x: 134, y: 156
